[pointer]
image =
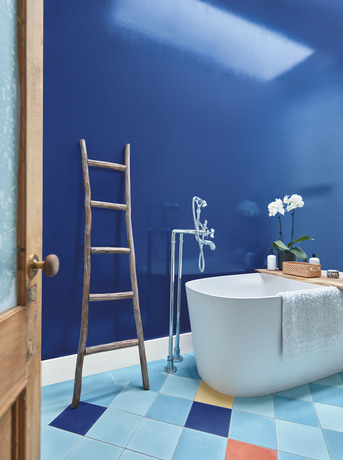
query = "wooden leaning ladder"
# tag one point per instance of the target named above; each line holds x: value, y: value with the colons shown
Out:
x: 88, y: 250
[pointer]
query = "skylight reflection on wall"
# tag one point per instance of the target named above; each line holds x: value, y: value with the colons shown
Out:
x: 231, y: 41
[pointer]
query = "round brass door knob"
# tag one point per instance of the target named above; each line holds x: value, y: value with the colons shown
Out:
x: 50, y: 265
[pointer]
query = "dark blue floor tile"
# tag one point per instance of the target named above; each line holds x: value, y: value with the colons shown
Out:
x: 78, y: 420
x: 208, y: 418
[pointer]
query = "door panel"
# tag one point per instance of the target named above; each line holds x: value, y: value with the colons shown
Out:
x: 12, y: 355
x: 20, y: 326
x: 8, y: 154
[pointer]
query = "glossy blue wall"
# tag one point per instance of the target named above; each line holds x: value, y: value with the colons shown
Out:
x: 238, y: 102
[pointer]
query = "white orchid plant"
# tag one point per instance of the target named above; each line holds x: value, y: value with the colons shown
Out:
x: 276, y: 208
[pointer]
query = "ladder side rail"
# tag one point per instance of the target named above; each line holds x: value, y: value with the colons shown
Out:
x: 86, y: 278
x: 133, y: 274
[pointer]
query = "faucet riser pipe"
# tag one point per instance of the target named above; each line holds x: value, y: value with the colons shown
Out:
x: 177, y: 356
x: 170, y: 368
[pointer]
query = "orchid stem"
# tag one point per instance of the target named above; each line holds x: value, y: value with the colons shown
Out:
x: 280, y: 232
x: 292, y: 227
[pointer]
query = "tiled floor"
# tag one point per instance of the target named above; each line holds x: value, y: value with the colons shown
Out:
x: 181, y: 418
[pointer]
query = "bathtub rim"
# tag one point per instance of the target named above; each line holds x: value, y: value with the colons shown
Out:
x: 256, y: 274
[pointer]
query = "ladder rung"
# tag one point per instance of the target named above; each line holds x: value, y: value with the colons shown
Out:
x: 111, y: 346
x: 107, y: 250
x: 104, y: 204
x: 107, y: 165
x: 110, y: 296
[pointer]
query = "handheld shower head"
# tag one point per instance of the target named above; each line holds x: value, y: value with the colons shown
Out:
x: 200, y: 202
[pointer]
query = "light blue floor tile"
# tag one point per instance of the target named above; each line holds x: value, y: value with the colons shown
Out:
x: 62, y: 390
x: 285, y: 456
x: 90, y: 449
x: 295, y: 410
x: 262, y: 405
x: 302, y: 440
x: 56, y: 444
x: 104, y: 396
x: 197, y: 445
x: 134, y: 400
x: 330, y: 417
x: 129, y: 455
x: 253, y: 429
x: 97, y: 382
x: 334, y: 441
x: 51, y: 409
x: 155, y: 380
x: 170, y: 409
x: 181, y: 387
x: 115, y: 427
x: 325, y: 394
x: 127, y: 374
x: 300, y: 392
x: 155, y: 438
x: 331, y: 380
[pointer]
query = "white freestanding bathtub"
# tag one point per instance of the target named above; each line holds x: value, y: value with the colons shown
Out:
x: 236, y: 330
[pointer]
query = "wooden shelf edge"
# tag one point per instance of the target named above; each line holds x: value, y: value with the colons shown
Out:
x: 321, y: 281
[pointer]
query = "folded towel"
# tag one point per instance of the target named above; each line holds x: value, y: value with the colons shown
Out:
x: 312, y: 320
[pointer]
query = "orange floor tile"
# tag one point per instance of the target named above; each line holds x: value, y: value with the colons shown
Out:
x: 237, y: 450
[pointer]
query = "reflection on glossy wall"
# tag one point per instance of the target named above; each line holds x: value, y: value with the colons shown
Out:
x: 8, y: 154
x: 238, y: 102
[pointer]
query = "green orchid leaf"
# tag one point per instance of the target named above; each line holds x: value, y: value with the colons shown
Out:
x: 299, y: 253
x: 280, y: 246
x: 298, y: 240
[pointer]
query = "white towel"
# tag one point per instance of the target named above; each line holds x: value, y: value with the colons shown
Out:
x: 312, y: 320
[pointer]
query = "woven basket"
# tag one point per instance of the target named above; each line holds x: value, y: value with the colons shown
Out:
x: 302, y: 269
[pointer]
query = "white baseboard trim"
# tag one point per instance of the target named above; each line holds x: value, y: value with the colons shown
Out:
x: 61, y: 369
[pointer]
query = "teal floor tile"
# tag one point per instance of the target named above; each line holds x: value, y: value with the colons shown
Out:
x: 156, y: 439
x: 299, y: 392
x: 341, y: 375
x: 90, y: 449
x: 51, y: 409
x: 103, y: 396
x: 134, y: 400
x: 197, y: 445
x: 295, y: 410
x: 334, y: 441
x: 115, y: 427
x: 285, y: 456
x: 262, y: 405
x: 188, y: 360
x: 331, y: 380
x: 155, y: 380
x: 97, y: 382
x: 156, y: 367
x: 56, y: 444
x: 181, y: 387
x: 301, y: 440
x: 190, y: 371
x: 62, y: 390
x: 330, y: 417
x: 130, y: 455
x: 169, y: 409
x: 127, y: 374
x: 324, y: 394
x: 253, y: 429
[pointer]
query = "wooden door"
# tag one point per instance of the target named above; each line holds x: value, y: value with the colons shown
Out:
x: 20, y: 326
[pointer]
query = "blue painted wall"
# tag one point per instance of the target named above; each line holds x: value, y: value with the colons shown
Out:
x: 238, y: 102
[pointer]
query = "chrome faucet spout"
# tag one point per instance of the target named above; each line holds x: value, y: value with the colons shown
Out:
x: 209, y: 243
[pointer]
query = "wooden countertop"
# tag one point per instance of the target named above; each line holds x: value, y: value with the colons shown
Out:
x: 322, y: 281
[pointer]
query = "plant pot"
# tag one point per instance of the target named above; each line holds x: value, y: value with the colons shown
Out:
x: 285, y: 257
